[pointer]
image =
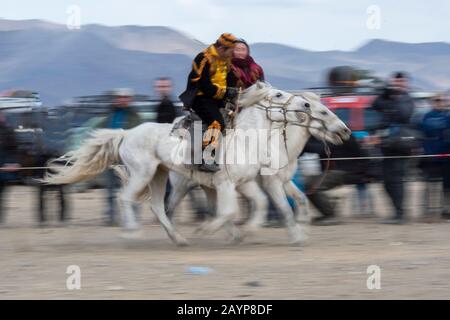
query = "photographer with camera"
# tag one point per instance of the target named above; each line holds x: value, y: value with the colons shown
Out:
x: 397, y: 138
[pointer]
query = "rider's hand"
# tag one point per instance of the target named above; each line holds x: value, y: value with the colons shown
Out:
x: 231, y: 93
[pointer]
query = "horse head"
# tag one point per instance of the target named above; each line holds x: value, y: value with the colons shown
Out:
x: 305, y: 110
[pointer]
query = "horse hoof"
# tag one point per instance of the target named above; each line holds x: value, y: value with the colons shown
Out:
x: 303, y: 219
x: 299, y: 240
x: 201, y: 229
x: 250, y: 230
x: 237, y: 240
x: 198, y: 231
x: 181, y: 242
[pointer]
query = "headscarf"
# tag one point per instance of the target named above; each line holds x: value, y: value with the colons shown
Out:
x: 246, y: 70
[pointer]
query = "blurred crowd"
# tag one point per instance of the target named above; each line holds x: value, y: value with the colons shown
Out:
x: 406, y: 144
x: 400, y: 148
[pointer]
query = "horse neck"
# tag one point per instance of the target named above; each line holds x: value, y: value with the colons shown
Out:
x: 296, y: 137
x: 252, y: 118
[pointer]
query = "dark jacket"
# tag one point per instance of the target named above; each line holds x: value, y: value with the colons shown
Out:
x: 350, y: 148
x: 166, y: 111
x: 435, y: 126
x: 199, y: 79
x: 396, y: 109
x: 8, y: 145
x: 129, y: 119
x: 8, y: 150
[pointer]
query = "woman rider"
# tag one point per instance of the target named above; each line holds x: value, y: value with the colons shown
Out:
x: 245, y: 70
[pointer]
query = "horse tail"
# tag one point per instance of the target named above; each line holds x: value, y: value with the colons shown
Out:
x: 92, y: 158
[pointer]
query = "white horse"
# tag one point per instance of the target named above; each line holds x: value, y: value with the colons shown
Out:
x: 251, y: 190
x: 147, y: 151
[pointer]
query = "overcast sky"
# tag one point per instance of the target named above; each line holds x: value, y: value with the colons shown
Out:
x: 309, y: 24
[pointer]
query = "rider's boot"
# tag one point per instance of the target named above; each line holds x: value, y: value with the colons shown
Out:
x: 211, y: 143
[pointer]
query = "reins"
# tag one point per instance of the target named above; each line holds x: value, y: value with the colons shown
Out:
x: 282, y: 108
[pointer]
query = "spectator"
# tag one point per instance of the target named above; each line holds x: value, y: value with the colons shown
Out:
x: 436, y: 128
x: 122, y: 116
x: 44, y: 189
x: 166, y: 114
x: 363, y: 202
x: 166, y: 110
x: 339, y: 173
x: 396, y: 107
x: 8, y: 163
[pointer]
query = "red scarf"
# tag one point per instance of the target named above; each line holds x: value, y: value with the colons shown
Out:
x: 247, y: 71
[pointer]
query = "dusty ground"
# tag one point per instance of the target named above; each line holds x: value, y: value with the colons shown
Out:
x: 414, y: 258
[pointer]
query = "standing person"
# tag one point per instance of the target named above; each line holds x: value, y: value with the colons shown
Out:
x: 166, y: 110
x: 8, y: 163
x: 207, y: 89
x: 122, y: 116
x: 245, y: 70
x: 396, y: 107
x: 436, y: 128
x: 363, y: 204
x: 340, y: 172
x: 166, y: 113
x: 43, y: 189
x: 47, y: 143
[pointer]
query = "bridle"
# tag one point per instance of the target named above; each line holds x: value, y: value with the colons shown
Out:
x: 281, y: 107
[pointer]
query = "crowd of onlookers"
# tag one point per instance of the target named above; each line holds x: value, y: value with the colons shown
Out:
x: 397, y: 141
x: 121, y: 115
x: 402, y: 146
x: 403, y: 137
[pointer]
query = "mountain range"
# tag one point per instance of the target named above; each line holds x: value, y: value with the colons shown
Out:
x: 61, y: 63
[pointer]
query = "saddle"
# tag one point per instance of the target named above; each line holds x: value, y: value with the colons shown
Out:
x: 189, y: 124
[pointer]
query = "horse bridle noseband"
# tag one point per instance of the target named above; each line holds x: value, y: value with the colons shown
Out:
x: 282, y: 107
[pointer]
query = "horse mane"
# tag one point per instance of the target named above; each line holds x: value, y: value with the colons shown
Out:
x: 310, y: 96
x: 254, y: 94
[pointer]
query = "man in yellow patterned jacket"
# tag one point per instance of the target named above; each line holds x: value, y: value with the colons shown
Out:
x: 209, y: 84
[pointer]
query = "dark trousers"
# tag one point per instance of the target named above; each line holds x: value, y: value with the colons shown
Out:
x: 394, y: 171
x: 2, y: 190
x: 112, y: 182
x: 315, y: 191
x: 43, y: 189
x: 209, y: 110
x: 436, y: 174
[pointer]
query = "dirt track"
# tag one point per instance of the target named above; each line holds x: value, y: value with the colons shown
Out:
x: 414, y: 259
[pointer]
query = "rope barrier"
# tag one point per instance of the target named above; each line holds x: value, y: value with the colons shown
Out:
x: 442, y: 155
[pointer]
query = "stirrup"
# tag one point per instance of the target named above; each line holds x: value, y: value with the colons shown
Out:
x: 214, y: 167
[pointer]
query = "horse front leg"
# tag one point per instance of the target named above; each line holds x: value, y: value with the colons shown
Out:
x: 274, y: 187
x: 227, y: 209
x: 180, y: 187
x: 158, y: 187
x: 259, y: 205
x: 301, y: 202
x: 137, y: 184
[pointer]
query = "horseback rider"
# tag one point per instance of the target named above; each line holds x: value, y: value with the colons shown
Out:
x: 209, y: 85
x: 245, y: 70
